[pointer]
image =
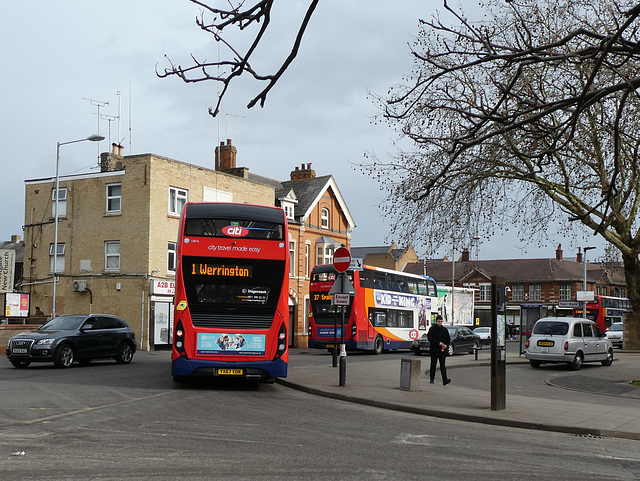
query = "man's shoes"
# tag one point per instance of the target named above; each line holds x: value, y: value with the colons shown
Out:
x: 432, y: 381
x: 446, y: 381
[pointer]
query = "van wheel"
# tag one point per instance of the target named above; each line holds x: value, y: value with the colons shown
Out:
x: 577, y: 362
x: 378, y: 345
x: 534, y: 363
x: 609, y: 360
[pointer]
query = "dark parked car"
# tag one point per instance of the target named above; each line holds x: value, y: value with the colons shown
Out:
x: 463, y: 340
x: 70, y: 338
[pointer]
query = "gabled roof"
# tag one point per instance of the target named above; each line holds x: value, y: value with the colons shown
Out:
x: 310, y: 191
x: 516, y: 270
x: 286, y: 194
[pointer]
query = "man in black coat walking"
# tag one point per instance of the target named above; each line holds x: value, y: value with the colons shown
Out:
x: 439, y: 341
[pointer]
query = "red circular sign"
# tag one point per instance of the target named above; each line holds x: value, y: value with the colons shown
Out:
x: 341, y: 259
x: 413, y: 334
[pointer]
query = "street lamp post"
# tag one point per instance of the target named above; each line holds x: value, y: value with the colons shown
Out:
x: 91, y: 138
x: 584, y: 281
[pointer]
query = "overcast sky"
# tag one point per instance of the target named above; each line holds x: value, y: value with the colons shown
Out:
x: 62, y: 59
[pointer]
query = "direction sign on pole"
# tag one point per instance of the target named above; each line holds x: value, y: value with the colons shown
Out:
x: 341, y: 259
x: 357, y: 264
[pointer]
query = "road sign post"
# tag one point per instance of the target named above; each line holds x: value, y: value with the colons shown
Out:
x: 341, y: 262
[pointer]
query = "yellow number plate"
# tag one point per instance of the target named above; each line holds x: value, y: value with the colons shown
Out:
x: 545, y: 343
x: 229, y: 372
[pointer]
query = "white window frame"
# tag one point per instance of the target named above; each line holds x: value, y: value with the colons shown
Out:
x: 111, y: 258
x: 307, y: 255
x: 288, y: 210
x: 60, y: 264
x: 517, y: 292
x: 535, y: 292
x: 177, y: 199
x: 172, y: 257
x: 62, y: 202
x: 324, y: 218
x: 485, y: 292
x: 112, y: 198
x: 292, y: 258
x: 565, y: 292
x: 324, y: 254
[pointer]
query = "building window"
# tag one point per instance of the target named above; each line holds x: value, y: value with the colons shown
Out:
x: 59, y: 258
x: 307, y: 248
x: 535, y: 292
x: 324, y: 217
x: 112, y: 255
x: 114, y: 198
x: 565, y: 292
x: 62, y: 203
x: 288, y: 210
x: 292, y: 258
x: 619, y: 292
x: 485, y: 292
x: 324, y: 254
x: 177, y: 199
x: 601, y: 290
x: 517, y: 292
x: 171, y: 258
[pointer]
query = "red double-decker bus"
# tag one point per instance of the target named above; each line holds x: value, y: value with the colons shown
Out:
x: 231, y: 302
x: 605, y: 310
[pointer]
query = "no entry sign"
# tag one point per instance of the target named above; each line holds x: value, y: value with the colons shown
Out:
x: 341, y: 259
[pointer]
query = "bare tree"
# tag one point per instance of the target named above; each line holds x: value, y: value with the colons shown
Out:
x: 527, y: 118
x: 218, y: 22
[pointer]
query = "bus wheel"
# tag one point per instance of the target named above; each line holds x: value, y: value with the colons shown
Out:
x: 378, y: 345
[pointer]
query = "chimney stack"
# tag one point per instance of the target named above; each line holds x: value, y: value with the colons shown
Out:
x: 559, y: 252
x: 304, y: 172
x: 226, y: 156
x: 111, y: 161
x: 579, y: 255
x: 465, y: 255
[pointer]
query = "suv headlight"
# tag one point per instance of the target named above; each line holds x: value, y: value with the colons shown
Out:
x: 45, y: 342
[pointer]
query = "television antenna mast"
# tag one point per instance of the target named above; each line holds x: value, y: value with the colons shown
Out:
x: 109, y: 118
x: 98, y: 104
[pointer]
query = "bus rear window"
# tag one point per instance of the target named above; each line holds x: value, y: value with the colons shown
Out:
x: 245, y: 229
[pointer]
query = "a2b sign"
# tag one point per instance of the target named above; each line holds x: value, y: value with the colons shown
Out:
x: 341, y: 299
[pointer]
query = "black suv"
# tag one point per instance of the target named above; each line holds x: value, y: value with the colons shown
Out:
x: 70, y: 338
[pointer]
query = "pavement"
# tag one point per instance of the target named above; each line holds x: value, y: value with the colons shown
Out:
x: 595, y: 401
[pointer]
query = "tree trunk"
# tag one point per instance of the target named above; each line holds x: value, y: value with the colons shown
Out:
x: 631, y: 333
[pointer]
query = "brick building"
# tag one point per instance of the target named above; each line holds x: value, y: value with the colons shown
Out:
x: 544, y: 286
x: 118, y: 230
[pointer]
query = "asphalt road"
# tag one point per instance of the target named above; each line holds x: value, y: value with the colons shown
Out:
x: 107, y: 421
